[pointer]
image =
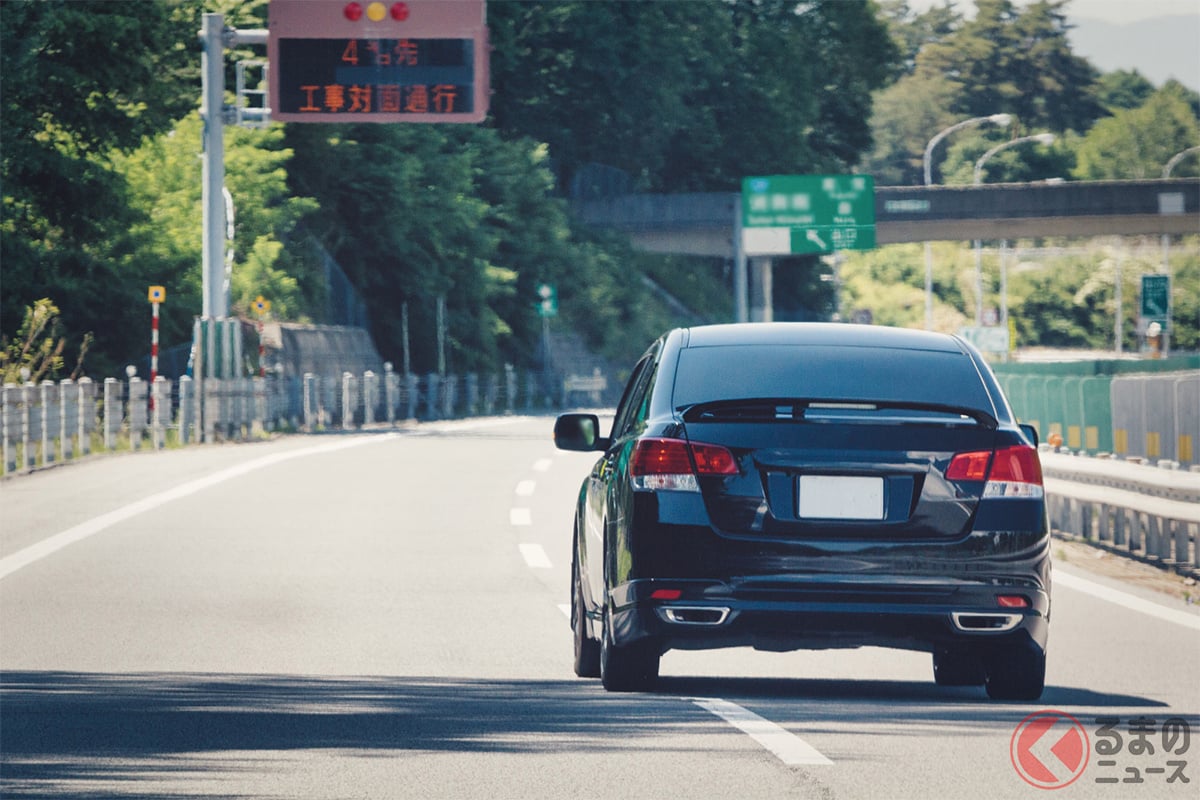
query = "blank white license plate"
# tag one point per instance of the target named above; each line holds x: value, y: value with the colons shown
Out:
x: 840, y: 497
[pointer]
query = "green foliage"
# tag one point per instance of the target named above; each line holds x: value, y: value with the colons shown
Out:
x: 688, y: 96
x: 38, y: 347
x: 1020, y: 62
x: 164, y: 178
x: 1135, y: 144
x: 889, y: 282
x: 1028, y: 161
x: 1064, y: 299
x: 907, y: 115
x: 1123, y: 89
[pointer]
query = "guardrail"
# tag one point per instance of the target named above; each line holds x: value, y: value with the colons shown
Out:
x: 1136, y: 510
x: 51, y: 423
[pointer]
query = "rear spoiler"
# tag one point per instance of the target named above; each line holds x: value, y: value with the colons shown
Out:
x: 758, y: 408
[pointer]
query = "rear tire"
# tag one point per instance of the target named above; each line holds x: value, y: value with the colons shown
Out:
x: 632, y: 668
x: 1016, y: 673
x: 958, y: 668
x: 587, y: 649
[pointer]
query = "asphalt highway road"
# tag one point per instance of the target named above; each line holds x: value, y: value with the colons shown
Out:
x: 382, y: 615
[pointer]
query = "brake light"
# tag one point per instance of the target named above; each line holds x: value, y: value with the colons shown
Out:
x: 1011, y: 472
x: 969, y: 466
x: 674, y: 464
x: 1012, y: 601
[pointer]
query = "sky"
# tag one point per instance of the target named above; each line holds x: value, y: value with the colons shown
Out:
x: 1116, y: 11
x: 1122, y: 34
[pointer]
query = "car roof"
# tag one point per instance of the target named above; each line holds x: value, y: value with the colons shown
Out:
x: 819, y: 334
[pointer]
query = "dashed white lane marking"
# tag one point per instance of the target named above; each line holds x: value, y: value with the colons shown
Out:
x: 1126, y: 600
x: 51, y: 545
x: 520, y: 516
x: 525, y: 488
x: 542, y: 464
x: 565, y: 608
x: 787, y: 746
x: 535, y: 556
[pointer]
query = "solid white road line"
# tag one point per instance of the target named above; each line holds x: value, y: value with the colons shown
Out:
x: 535, y: 556
x: 1126, y: 600
x: 520, y: 516
x: 525, y: 488
x: 787, y: 746
x: 51, y: 545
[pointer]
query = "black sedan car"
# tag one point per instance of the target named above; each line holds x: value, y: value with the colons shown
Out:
x: 802, y: 486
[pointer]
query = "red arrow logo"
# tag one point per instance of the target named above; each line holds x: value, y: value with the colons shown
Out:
x: 1049, y: 749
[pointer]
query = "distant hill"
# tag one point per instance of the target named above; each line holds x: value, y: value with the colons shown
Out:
x: 1160, y: 48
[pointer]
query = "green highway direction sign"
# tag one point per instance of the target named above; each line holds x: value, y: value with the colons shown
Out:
x: 1156, y: 298
x: 799, y: 214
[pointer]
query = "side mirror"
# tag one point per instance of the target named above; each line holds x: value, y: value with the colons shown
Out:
x: 579, y: 432
x: 1030, y: 433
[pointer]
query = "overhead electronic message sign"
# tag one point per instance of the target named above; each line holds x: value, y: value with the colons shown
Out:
x: 416, y: 61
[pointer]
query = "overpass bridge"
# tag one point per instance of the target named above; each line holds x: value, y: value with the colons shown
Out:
x: 705, y: 224
x: 709, y: 224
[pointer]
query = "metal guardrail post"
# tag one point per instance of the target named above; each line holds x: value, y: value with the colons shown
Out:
x: 432, y: 387
x: 309, y: 400
x: 348, y: 401
x: 8, y: 421
x: 112, y: 413
x: 29, y: 459
x: 510, y: 388
x: 67, y: 416
x: 48, y: 418
x: 186, y: 408
x: 412, y: 391
x: 370, y: 391
x: 391, y: 390
x: 87, y: 414
x: 161, y: 391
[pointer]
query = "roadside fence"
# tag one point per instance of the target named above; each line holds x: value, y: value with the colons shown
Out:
x: 51, y: 422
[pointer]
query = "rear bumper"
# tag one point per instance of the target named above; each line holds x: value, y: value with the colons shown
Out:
x: 922, y: 616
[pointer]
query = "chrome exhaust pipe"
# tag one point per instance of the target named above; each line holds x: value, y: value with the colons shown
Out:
x: 694, y: 615
x: 983, y: 622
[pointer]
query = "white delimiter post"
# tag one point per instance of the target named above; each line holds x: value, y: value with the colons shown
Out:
x: 212, y: 71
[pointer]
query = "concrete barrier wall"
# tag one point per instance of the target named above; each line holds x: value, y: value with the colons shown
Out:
x: 1150, y: 416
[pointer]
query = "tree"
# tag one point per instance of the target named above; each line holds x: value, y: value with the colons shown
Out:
x: 80, y: 81
x: 1017, y: 62
x: 1135, y: 144
x: 911, y: 32
x: 1123, y: 89
x: 689, y: 96
x: 906, y: 115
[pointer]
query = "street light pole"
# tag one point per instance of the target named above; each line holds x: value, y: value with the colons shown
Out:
x: 1166, y: 248
x: 1041, y: 138
x: 996, y: 119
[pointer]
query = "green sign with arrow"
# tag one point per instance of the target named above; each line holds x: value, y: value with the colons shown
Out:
x: 798, y: 214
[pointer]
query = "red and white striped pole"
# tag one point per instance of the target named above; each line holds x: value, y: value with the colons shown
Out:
x: 157, y: 295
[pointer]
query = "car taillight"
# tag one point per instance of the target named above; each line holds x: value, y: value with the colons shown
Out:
x: 1011, y: 472
x: 674, y: 464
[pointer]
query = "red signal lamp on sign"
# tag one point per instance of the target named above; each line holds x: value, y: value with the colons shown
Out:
x: 400, y: 11
x: 353, y: 12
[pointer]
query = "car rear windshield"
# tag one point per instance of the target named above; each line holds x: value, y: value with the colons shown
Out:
x: 830, y: 373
